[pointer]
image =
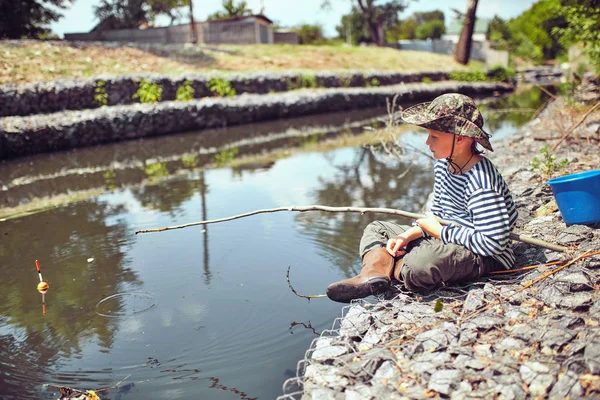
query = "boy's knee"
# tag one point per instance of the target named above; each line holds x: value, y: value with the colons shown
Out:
x: 421, y: 276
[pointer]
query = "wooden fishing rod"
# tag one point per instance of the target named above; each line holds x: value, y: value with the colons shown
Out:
x: 362, y: 210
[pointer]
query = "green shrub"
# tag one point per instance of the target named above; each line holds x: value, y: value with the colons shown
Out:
x: 548, y: 164
x: 308, y: 81
x: 189, y: 161
x: 426, y: 80
x: 100, y: 95
x: 155, y: 170
x: 221, y: 87
x: 345, y: 80
x: 468, y: 76
x: 501, y: 74
x: 148, y: 92
x: 185, y: 91
x: 372, y: 82
x: 225, y: 157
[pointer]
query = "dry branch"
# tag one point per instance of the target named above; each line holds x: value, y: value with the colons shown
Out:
x: 362, y: 210
x: 530, y: 284
x: 575, y: 126
x: 511, y: 271
x: 318, y: 296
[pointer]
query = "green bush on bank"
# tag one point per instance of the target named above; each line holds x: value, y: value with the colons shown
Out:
x: 221, y: 87
x: 496, y: 74
x: 148, y: 92
x: 185, y: 92
x: 100, y: 94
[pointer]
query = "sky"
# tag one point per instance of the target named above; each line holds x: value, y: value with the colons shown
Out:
x: 80, y: 16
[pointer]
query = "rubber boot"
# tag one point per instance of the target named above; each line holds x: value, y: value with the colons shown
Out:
x: 374, y: 278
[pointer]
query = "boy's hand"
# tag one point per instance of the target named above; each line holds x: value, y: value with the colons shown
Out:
x: 431, y: 225
x: 395, y: 246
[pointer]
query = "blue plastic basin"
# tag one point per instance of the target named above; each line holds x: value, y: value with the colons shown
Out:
x: 578, y: 197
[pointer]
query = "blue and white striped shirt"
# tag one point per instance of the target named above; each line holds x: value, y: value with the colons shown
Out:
x: 480, y: 201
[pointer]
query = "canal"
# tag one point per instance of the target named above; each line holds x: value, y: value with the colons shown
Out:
x: 206, y: 311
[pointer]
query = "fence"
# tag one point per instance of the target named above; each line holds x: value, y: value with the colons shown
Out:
x: 479, y: 50
x: 244, y: 31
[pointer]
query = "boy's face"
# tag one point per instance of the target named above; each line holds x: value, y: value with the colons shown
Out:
x: 440, y: 143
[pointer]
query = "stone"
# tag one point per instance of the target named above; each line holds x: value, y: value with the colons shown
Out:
x: 325, y: 375
x: 483, y: 323
x: 328, y: 353
x: 538, y: 377
x: 387, y: 370
x: 547, y: 209
x: 467, y: 336
x: 556, y: 338
x: 591, y: 353
x: 567, y: 386
x: 463, y: 362
x: 577, y: 281
x: 575, y: 234
x: 356, y: 322
x: 509, y: 343
x: 432, y: 340
x: 554, y: 297
x: 473, y: 301
x: 319, y: 393
x: 445, y: 380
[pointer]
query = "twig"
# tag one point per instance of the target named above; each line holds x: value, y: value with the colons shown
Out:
x: 507, y: 110
x: 510, y: 271
x: 298, y: 294
x: 362, y: 210
x: 114, y: 386
x: 541, y: 108
x: 530, y: 284
x: 575, y: 126
x: 543, y: 89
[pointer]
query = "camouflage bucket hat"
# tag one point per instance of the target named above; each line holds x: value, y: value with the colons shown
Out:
x: 452, y: 113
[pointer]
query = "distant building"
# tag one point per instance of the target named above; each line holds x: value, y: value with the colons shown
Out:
x: 455, y: 27
x: 249, y: 29
x: 286, y: 36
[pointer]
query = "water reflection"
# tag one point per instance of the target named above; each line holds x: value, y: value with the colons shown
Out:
x: 32, y: 341
x: 223, y: 322
x: 363, y: 180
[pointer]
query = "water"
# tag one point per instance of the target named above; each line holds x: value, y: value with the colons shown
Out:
x: 201, y: 312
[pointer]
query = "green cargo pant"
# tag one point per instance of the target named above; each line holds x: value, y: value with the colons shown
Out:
x: 428, y: 263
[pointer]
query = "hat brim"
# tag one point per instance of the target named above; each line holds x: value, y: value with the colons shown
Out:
x: 418, y: 115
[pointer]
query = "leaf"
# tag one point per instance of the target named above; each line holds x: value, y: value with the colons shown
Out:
x: 438, y: 306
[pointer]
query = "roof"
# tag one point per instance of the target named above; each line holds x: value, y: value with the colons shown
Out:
x: 241, y: 18
x: 455, y: 26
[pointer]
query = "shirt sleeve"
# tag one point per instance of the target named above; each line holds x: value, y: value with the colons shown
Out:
x: 491, y: 225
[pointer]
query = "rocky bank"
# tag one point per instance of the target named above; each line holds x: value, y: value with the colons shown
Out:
x: 543, y: 342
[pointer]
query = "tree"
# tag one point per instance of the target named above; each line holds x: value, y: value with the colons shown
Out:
x: 377, y: 17
x: 404, y: 29
x: 29, y: 18
x: 125, y: 14
x: 463, y: 47
x: 498, y: 33
x: 353, y: 25
x: 425, y: 17
x: 582, y: 26
x: 231, y: 10
x: 421, y: 25
x: 433, y: 29
x: 531, y: 33
x: 309, y: 34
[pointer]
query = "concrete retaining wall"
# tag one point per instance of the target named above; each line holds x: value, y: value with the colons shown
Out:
x: 47, y: 97
x: 21, y: 136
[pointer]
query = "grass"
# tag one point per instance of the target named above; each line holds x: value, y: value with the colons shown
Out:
x: 34, y: 61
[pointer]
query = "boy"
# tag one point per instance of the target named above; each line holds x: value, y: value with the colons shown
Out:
x: 468, y: 190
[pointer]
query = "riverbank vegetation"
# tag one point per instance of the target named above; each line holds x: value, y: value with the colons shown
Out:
x: 35, y: 61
